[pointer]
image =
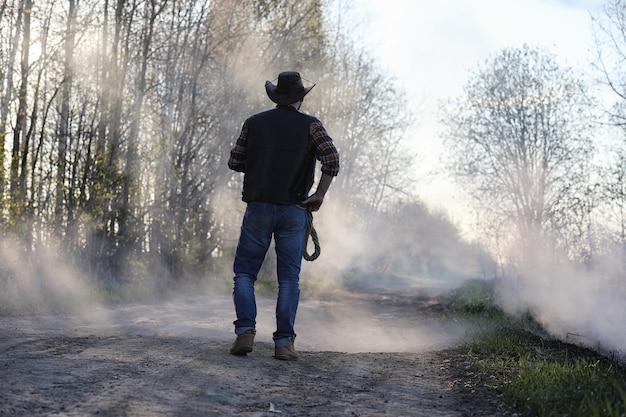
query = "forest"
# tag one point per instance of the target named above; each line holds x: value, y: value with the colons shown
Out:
x: 118, y: 118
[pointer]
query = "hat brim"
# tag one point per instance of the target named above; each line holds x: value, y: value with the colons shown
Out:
x: 285, y: 99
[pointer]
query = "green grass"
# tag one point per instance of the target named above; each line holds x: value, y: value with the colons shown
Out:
x: 475, y: 296
x: 548, y: 378
x: 535, y: 375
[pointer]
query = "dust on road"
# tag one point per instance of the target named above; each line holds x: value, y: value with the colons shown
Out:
x: 372, y: 356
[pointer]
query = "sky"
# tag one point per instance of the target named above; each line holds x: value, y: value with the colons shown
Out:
x: 430, y: 47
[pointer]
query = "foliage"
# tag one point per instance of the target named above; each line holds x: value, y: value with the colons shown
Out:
x: 534, y: 373
x: 476, y: 296
x: 546, y: 378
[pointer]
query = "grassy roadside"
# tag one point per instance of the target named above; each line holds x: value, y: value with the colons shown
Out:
x: 534, y: 375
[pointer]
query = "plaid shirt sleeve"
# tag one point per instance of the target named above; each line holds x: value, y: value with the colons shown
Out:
x: 237, y: 161
x: 324, y: 149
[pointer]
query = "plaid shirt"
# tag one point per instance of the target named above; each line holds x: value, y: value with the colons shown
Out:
x: 322, y: 144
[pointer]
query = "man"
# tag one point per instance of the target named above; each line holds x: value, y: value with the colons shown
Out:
x: 277, y: 152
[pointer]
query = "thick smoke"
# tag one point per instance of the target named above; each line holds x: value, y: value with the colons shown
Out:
x: 42, y: 279
x: 580, y: 305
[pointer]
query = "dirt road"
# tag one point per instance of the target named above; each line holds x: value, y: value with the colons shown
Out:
x: 367, y: 357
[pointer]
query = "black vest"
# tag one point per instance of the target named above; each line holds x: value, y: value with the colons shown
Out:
x: 280, y: 162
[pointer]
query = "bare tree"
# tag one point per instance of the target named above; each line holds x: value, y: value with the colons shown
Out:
x: 11, y: 22
x: 609, y: 63
x: 518, y: 141
x: 610, y: 55
x: 21, y: 134
x: 64, y: 122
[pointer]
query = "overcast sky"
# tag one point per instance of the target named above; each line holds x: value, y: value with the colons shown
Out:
x: 431, y: 45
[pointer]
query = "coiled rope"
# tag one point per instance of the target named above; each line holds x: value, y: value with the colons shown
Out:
x: 310, y: 231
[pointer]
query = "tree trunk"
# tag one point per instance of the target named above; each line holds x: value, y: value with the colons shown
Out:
x: 20, y: 149
x: 64, y: 123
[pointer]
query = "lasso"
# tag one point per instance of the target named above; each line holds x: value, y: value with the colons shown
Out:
x: 310, y: 231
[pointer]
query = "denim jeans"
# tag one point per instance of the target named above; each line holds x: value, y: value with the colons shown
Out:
x: 288, y: 226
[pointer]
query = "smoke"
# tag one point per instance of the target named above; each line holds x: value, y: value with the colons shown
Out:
x: 581, y: 305
x: 340, y: 321
x: 350, y: 323
x: 43, y: 279
x: 342, y: 242
x: 348, y: 294
x: 405, y: 247
x: 423, y: 255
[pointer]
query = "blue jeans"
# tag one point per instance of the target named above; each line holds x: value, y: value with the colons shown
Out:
x: 288, y: 226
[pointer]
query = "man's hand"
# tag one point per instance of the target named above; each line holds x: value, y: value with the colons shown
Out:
x: 313, y: 202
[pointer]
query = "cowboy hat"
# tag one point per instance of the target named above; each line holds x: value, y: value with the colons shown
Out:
x: 288, y: 90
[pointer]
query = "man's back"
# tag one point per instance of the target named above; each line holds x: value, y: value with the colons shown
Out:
x: 279, y: 162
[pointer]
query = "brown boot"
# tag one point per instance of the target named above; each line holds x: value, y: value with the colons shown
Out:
x: 286, y: 353
x: 243, y: 344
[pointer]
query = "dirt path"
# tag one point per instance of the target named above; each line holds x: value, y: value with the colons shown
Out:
x: 170, y: 359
